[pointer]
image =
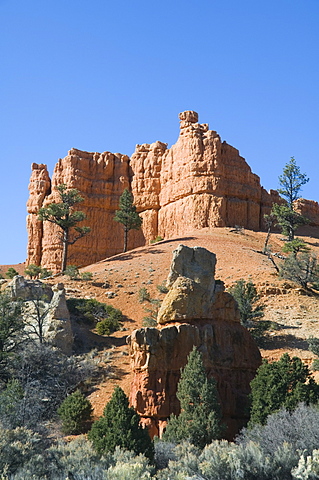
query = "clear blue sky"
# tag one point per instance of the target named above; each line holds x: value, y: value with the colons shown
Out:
x: 105, y: 75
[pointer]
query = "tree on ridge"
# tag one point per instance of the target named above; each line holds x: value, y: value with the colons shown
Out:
x: 291, y: 182
x: 64, y: 216
x: 127, y: 215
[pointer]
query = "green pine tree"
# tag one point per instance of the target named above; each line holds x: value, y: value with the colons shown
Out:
x: 75, y: 412
x: 127, y: 215
x: 246, y: 296
x: 119, y: 426
x: 64, y: 216
x: 282, y: 384
x: 291, y: 182
x: 199, y: 420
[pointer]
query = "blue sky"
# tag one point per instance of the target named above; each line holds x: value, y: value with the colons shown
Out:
x: 105, y: 75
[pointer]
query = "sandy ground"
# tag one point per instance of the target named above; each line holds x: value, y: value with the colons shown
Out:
x: 238, y: 256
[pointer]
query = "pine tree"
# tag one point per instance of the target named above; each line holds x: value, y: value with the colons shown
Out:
x: 119, y: 426
x: 246, y: 296
x: 127, y: 215
x: 63, y: 215
x: 282, y: 384
x: 291, y: 182
x: 75, y: 411
x: 199, y: 420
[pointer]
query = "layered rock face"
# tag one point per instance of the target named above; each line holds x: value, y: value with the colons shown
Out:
x: 199, y: 182
x: 101, y: 179
x: 157, y: 354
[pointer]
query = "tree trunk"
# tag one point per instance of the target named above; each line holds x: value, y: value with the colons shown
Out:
x: 65, y: 242
x: 267, y: 240
x: 125, y: 239
x: 291, y: 234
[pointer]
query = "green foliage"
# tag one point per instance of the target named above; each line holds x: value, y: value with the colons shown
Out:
x: 72, y: 272
x: 86, y: 276
x: 150, y: 320
x: 119, y: 427
x: 246, y: 296
x: 291, y: 182
x: 199, y: 420
x: 11, y: 329
x: 302, y: 268
x: 64, y: 216
x: 313, y: 344
x: 295, y: 246
x: 17, y: 447
x: 288, y: 219
x: 110, y: 324
x: 144, y: 295
x: 75, y: 412
x: 157, y: 239
x: 162, y: 287
x: 45, y: 376
x: 45, y: 273
x: 33, y: 271
x: 10, y: 402
x: 127, y: 215
x: 11, y: 272
x: 106, y: 318
x: 281, y: 384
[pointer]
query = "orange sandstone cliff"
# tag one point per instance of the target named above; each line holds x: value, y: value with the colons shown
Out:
x: 199, y: 182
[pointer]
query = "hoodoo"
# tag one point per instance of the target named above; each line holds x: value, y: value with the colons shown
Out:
x: 196, y: 311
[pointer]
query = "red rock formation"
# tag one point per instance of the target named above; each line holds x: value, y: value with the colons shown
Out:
x: 39, y: 188
x: 198, y: 182
x: 202, y: 181
x: 229, y: 353
x: 309, y: 209
x: 101, y: 179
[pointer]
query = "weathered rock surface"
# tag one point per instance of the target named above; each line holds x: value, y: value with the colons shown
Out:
x: 23, y: 289
x: 39, y: 188
x: 101, y: 179
x: 44, y: 308
x: 58, y: 324
x: 229, y: 353
x: 192, y: 285
x: 309, y: 209
x: 199, y: 182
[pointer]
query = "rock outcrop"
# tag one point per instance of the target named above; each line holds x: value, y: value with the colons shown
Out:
x: 101, y: 179
x: 229, y: 353
x: 198, y: 182
x: 44, y: 311
x: 192, y: 285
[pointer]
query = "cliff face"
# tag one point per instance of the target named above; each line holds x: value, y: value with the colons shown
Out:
x: 101, y: 179
x: 199, y: 182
